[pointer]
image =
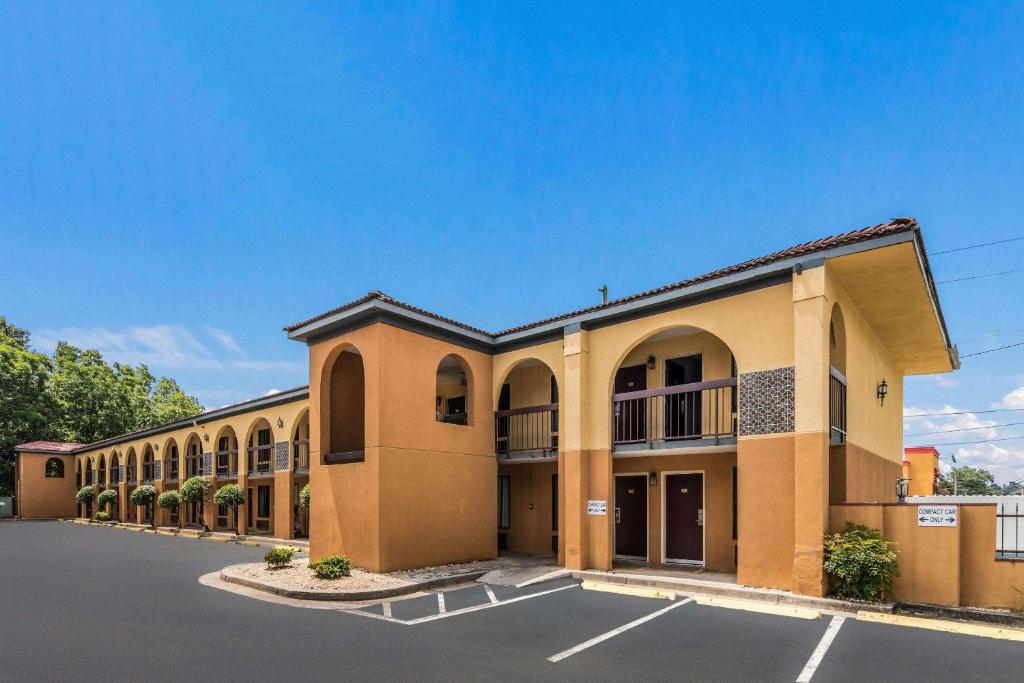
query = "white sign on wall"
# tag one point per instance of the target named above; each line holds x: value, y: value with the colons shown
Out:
x: 936, y: 515
x: 597, y: 507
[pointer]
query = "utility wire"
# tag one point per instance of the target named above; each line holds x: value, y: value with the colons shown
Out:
x: 975, y: 246
x: 965, y: 429
x: 965, y: 412
x: 998, y: 348
x: 989, y: 336
x: 967, y: 443
x: 978, y: 277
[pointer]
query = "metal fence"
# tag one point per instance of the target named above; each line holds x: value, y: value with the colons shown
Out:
x: 1010, y: 531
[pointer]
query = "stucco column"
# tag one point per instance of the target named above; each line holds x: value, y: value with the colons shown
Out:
x: 810, y: 466
x: 574, y: 462
x: 242, y: 511
x: 122, y: 501
x: 284, y: 498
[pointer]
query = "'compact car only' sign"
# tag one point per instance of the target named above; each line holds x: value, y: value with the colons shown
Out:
x: 936, y: 515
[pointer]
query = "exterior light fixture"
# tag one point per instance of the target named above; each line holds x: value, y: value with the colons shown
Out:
x: 652, y: 478
x: 883, y: 391
x: 280, y: 423
x: 206, y: 437
x: 902, y: 489
x: 651, y: 362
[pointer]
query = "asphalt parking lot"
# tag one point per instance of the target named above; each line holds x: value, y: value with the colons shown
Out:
x: 114, y: 605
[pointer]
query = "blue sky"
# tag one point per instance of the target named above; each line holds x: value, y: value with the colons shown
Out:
x: 178, y: 181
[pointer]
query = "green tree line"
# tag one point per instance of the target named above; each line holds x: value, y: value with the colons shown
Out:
x: 74, y: 395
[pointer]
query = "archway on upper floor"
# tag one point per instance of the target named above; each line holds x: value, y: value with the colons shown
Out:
x: 101, y: 471
x: 225, y: 455
x: 453, y: 399
x: 193, y: 456
x: 115, y: 468
x: 837, y: 380
x: 78, y: 473
x: 259, y: 448
x: 148, y: 465
x: 526, y: 418
x: 172, y: 461
x: 674, y: 388
x: 131, y: 467
x: 300, y: 442
x: 343, y: 407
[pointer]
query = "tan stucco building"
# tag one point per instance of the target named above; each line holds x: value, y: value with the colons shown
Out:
x: 710, y: 422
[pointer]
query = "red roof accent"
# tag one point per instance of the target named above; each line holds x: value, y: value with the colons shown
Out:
x: 48, y: 446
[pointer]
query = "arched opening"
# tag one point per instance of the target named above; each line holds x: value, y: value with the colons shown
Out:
x: 148, y: 468
x: 55, y: 468
x: 101, y: 471
x: 260, y: 466
x: 193, y: 457
x: 345, y: 431
x: 131, y: 467
x: 225, y: 458
x: 115, y: 468
x: 526, y: 421
x: 89, y: 472
x: 453, y: 400
x: 172, y: 462
x: 837, y: 377
x: 78, y: 474
x: 300, y: 465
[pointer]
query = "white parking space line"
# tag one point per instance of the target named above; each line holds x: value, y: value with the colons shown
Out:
x: 490, y: 594
x: 819, y: 652
x: 387, y: 610
x: 486, y: 605
x: 440, y: 603
x: 614, y: 632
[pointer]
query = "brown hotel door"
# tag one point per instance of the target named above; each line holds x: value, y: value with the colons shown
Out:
x: 684, y: 518
x: 631, y: 516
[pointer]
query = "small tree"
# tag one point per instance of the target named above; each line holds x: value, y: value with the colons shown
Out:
x: 143, y: 497
x: 304, y: 497
x: 170, y: 500
x: 84, y: 496
x: 230, y: 495
x: 862, y: 563
x: 106, y: 500
x: 197, y: 490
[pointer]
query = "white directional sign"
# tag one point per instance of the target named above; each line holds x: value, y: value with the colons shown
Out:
x: 597, y: 507
x: 936, y: 515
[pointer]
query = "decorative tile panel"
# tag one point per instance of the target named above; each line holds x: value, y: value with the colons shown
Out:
x: 281, y: 455
x: 207, y: 464
x: 156, y: 470
x: 767, y: 402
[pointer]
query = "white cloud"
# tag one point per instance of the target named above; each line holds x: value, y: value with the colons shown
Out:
x: 1014, y: 399
x: 226, y: 340
x: 945, y: 381
x: 1005, y: 462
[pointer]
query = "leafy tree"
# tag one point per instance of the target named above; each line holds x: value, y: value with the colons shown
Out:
x: 84, y: 497
x: 170, y: 500
x: 25, y: 406
x: 197, y: 490
x: 106, y: 500
x: 230, y: 495
x: 304, y: 497
x: 143, y: 497
x: 970, y: 481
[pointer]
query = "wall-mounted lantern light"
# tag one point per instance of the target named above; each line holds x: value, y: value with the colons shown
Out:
x: 280, y: 423
x: 652, y: 478
x: 206, y: 437
x: 651, y: 362
x: 902, y: 489
x: 883, y: 391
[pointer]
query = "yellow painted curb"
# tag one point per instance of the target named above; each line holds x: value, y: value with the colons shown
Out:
x: 251, y: 544
x: 167, y: 533
x: 213, y: 538
x: 961, y: 628
x: 622, y: 589
x: 759, y: 607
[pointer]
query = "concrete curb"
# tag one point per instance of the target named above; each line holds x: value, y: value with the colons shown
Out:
x: 961, y: 614
x: 228, y: 575
x: 728, y: 590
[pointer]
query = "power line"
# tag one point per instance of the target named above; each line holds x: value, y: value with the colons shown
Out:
x: 966, y: 443
x: 966, y: 412
x: 989, y: 336
x: 965, y: 429
x: 976, y: 246
x: 978, y: 277
x: 998, y: 348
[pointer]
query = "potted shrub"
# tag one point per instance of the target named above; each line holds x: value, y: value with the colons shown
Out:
x: 861, y: 563
x: 143, y: 496
x: 84, y: 497
x: 105, y: 501
x: 197, y: 490
x: 170, y: 500
x: 279, y: 557
x: 231, y: 495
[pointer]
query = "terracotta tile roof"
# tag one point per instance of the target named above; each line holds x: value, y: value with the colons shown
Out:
x: 893, y: 227
x: 49, y: 446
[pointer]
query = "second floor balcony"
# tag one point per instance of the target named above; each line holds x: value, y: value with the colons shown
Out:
x: 260, y: 461
x: 226, y: 464
x: 526, y: 433
x: 694, y: 414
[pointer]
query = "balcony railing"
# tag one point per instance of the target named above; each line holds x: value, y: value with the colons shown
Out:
x: 130, y: 475
x: 530, y: 429
x: 147, y: 472
x: 88, y: 477
x: 836, y: 406
x: 300, y: 455
x: 261, y: 460
x: 171, y: 475
x: 115, y: 476
x: 676, y: 415
x: 226, y: 464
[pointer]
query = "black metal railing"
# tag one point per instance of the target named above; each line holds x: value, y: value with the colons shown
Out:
x: 171, y: 472
x: 88, y: 477
x: 533, y: 428
x: 1009, y: 531
x: 147, y: 471
x: 194, y: 465
x: 836, y: 406
x: 300, y: 455
x: 130, y: 474
x: 261, y: 459
x: 226, y: 464
x: 115, y: 476
x: 685, y: 412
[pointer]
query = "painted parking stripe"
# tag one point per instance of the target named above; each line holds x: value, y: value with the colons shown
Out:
x: 387, y: 610
x: 486, y: 605
x: 440, y: 603
x: 490, y: 594
x: 614, y: 632
x: 819, y: 652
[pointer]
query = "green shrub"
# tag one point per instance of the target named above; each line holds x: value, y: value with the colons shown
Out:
x: 230, y: 495
x: 278, y: 557
x: 84, y: 495
x: 861, y: 563
x: 143, y: 495
x: 106, y: 499
x: 102, y: 517
x: 169, y: 500
x: 304, y: 497
x: 331, y: 567
x: 196, y: 490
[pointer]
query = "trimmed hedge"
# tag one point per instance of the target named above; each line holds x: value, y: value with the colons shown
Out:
x: 332, y: 567
x: 278, y: 557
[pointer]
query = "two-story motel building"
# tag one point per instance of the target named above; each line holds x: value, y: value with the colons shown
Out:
x: 710, y: 422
